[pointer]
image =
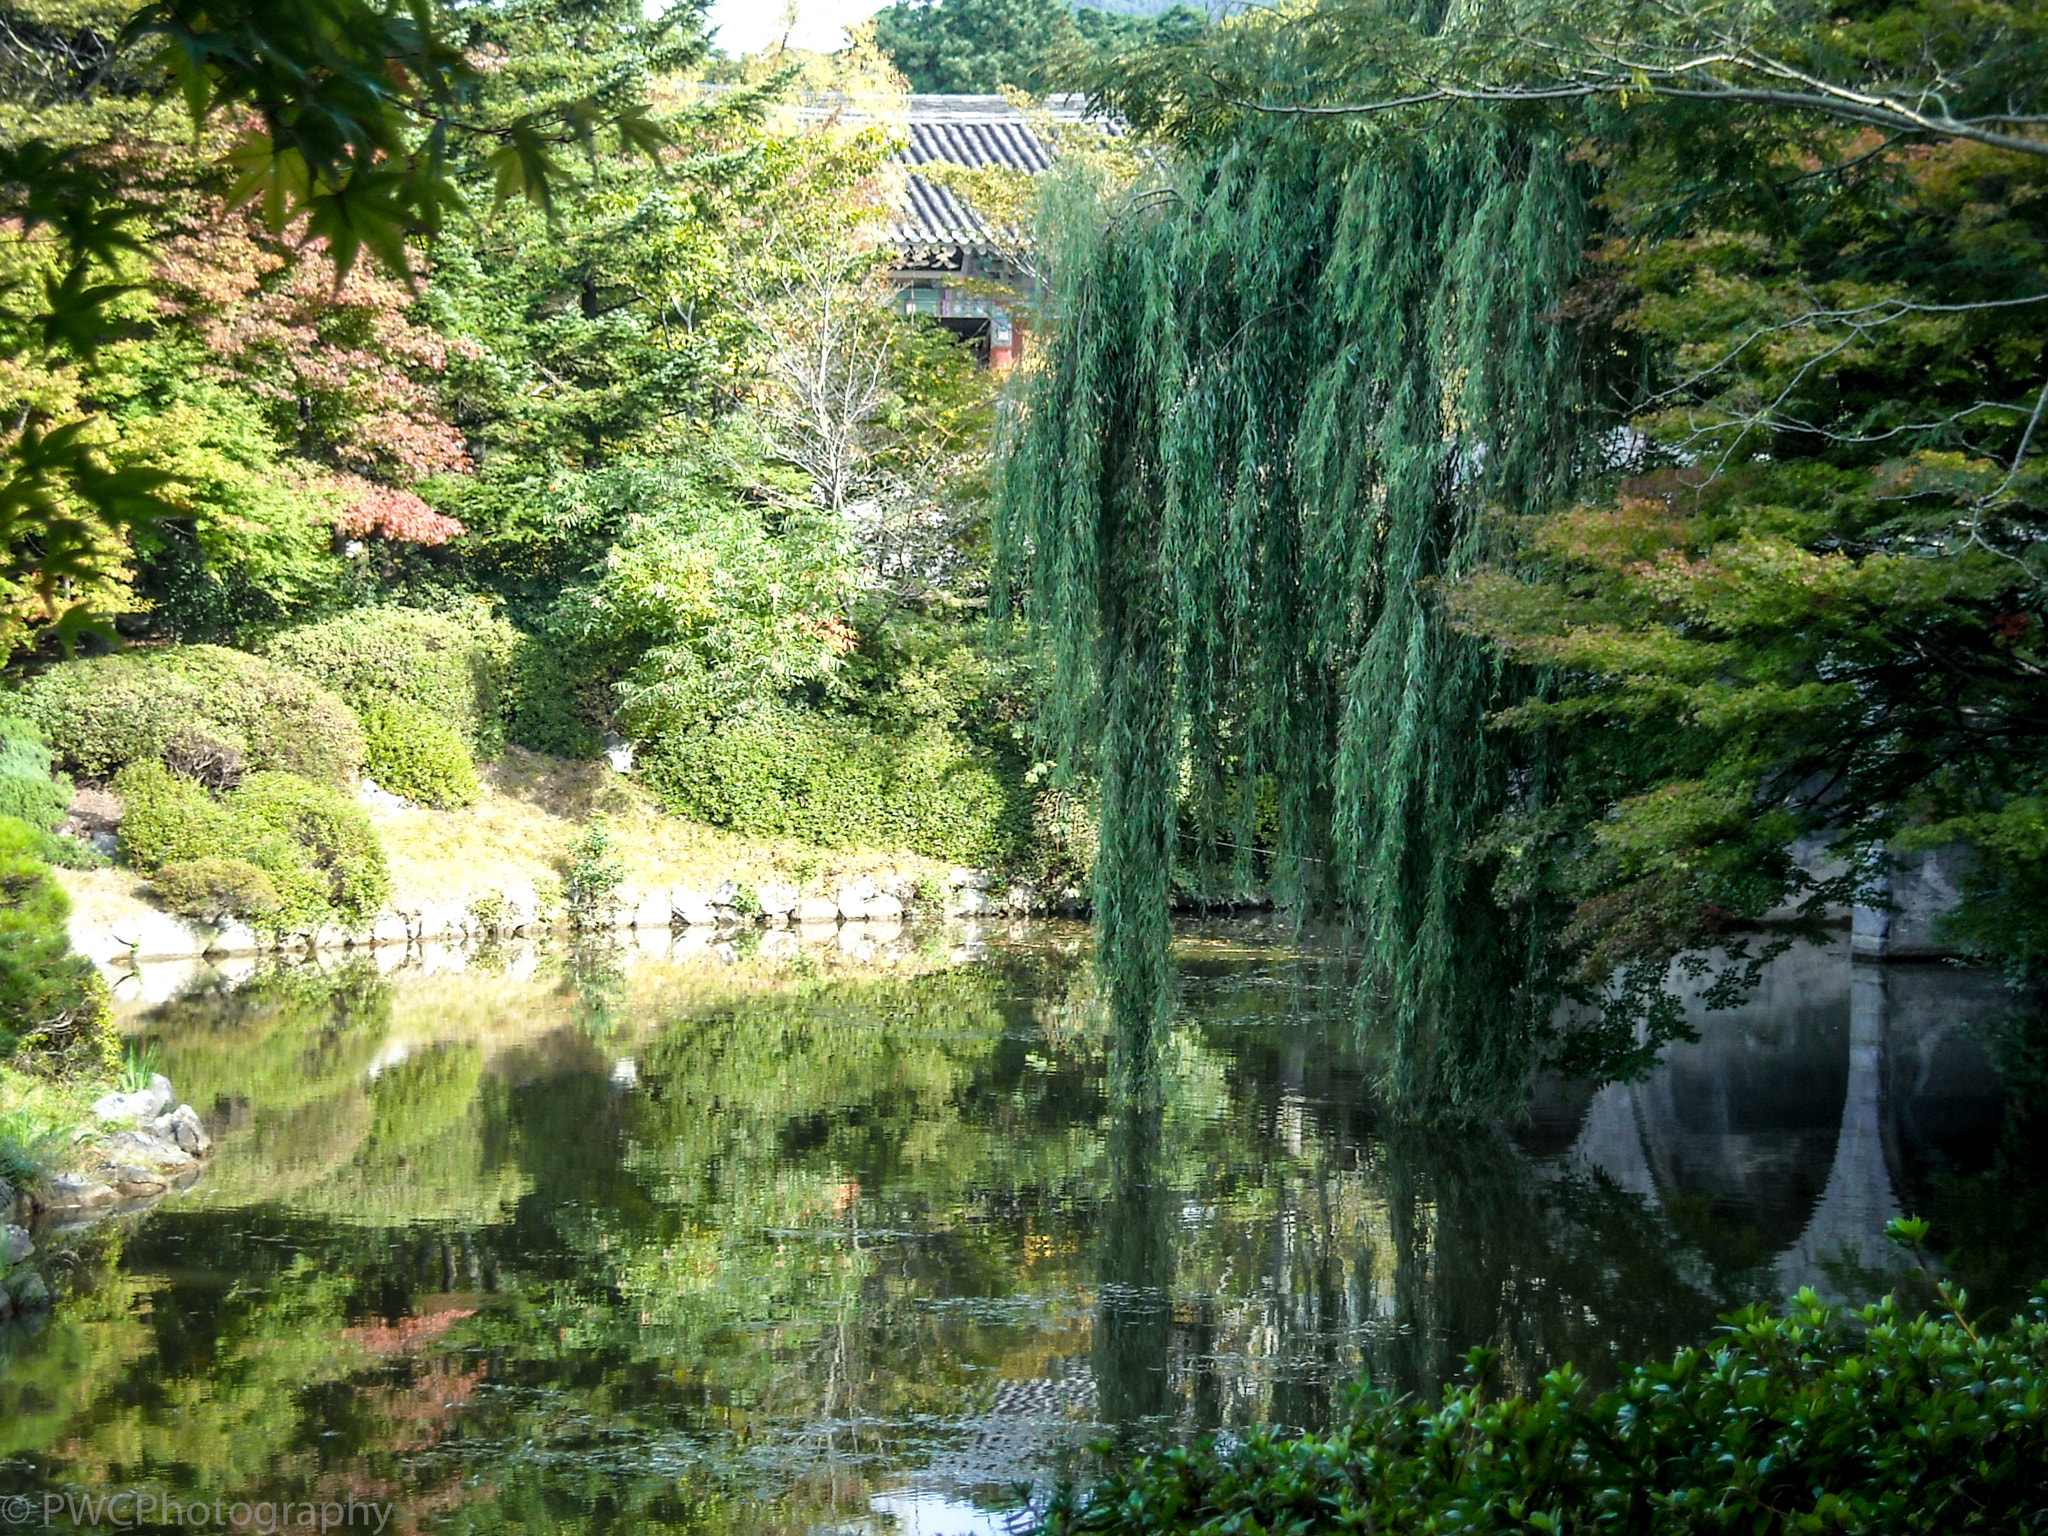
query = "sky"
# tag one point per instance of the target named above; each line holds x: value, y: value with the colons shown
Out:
x: 746, y: 25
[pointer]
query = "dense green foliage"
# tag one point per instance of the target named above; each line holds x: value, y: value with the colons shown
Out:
x: 980, y: 47
x: 451, y: 665
x: 413, y: 752
x: 53, y: 1006
x: 313, y: 846
x: 210, y: 712
x: 29, y: 790
x: 782, y: 772
x: 1814, y: 1420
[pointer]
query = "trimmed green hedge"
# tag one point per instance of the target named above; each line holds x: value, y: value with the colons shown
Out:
x: 1814, y: 1421
x: 216, y: 711
x: 452, y: 667
x: 29, y: 790
x: 414, y: 753
x: 832, y: 781
x: 314, y: 846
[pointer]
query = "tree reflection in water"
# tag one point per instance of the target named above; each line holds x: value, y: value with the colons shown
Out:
x: 522, y: 1262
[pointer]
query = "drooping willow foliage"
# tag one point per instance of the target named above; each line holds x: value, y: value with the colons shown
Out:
x: 1283, y: 397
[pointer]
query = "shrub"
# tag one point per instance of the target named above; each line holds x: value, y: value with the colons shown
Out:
x: 452, y: 666
x: 53, y: 1005
x: 415, y: 753
x: 313, y: 846
x: 784, y: 772
x: 333, y: 830
x: 169, y: 818
x: 211, y: 888
x: 552, y: 705
x: 1811, y: 1421
x: 102, y: 714
x: 591, y: 884
x: 29, y: 790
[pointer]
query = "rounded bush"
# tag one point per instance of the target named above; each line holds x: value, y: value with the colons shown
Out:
x: 788, y: 773
x: 211, y: 888
x: 452, y: 666
x: 332, y: 829
x: 314, y: 846
x: 29, y: 790
x: 198, y: 701
x: 169, y: 819
x: 415, y: 753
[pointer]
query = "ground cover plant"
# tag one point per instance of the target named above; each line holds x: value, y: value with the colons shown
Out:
x: 1813, y: 1419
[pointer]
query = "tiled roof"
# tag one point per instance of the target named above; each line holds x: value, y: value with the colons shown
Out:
x: 973, y: 131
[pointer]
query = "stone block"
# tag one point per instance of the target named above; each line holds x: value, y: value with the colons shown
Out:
x: 778, y: 899
x: 653, y: 914
x: 966, y: 901
x: 817, y: 909
x: 693, y: 907
x: 883, y: 908
x: 970, y: 880
x: 160, y: 936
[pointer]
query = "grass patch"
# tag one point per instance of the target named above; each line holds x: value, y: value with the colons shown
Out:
x: 531, y: 807
x: 40, y: 1122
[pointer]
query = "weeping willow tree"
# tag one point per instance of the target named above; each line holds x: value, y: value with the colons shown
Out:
x: 1289, y: 388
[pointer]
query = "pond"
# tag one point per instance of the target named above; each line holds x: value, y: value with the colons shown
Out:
x: 850, y: 1242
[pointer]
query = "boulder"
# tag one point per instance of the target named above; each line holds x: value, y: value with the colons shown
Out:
x: 390, y: 928
x: 1020, y: 899
x: 883, y: 909
x: 817, y: 909
x: 902, y: 887
x: 145, y: 1149
x: 692, y: 907
x: 15, y: 1247
x: 133, y: 1182
x: 778, y: 899
x: 183, y: 1128
x: 653, y: 913
x: 138, y: 1107
x: 969, y: 902
x: 725, y: 894
x: 31, y: 1292
x: 74, y: 1191
x: 854, y: 898
x: 970, y: 880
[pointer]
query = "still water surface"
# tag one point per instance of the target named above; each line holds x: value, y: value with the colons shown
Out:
x: 861, y: 1244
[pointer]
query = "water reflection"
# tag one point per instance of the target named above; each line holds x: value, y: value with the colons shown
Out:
x: 764, y: 1243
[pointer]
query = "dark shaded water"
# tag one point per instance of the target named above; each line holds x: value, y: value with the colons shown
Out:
x: 823, y: 1245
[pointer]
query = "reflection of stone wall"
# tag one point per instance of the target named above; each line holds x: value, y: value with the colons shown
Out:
x: 1924, y: 887
x: 1812, y: 1114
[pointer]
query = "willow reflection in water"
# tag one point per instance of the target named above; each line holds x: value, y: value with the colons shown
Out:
x: 589, y: 1248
